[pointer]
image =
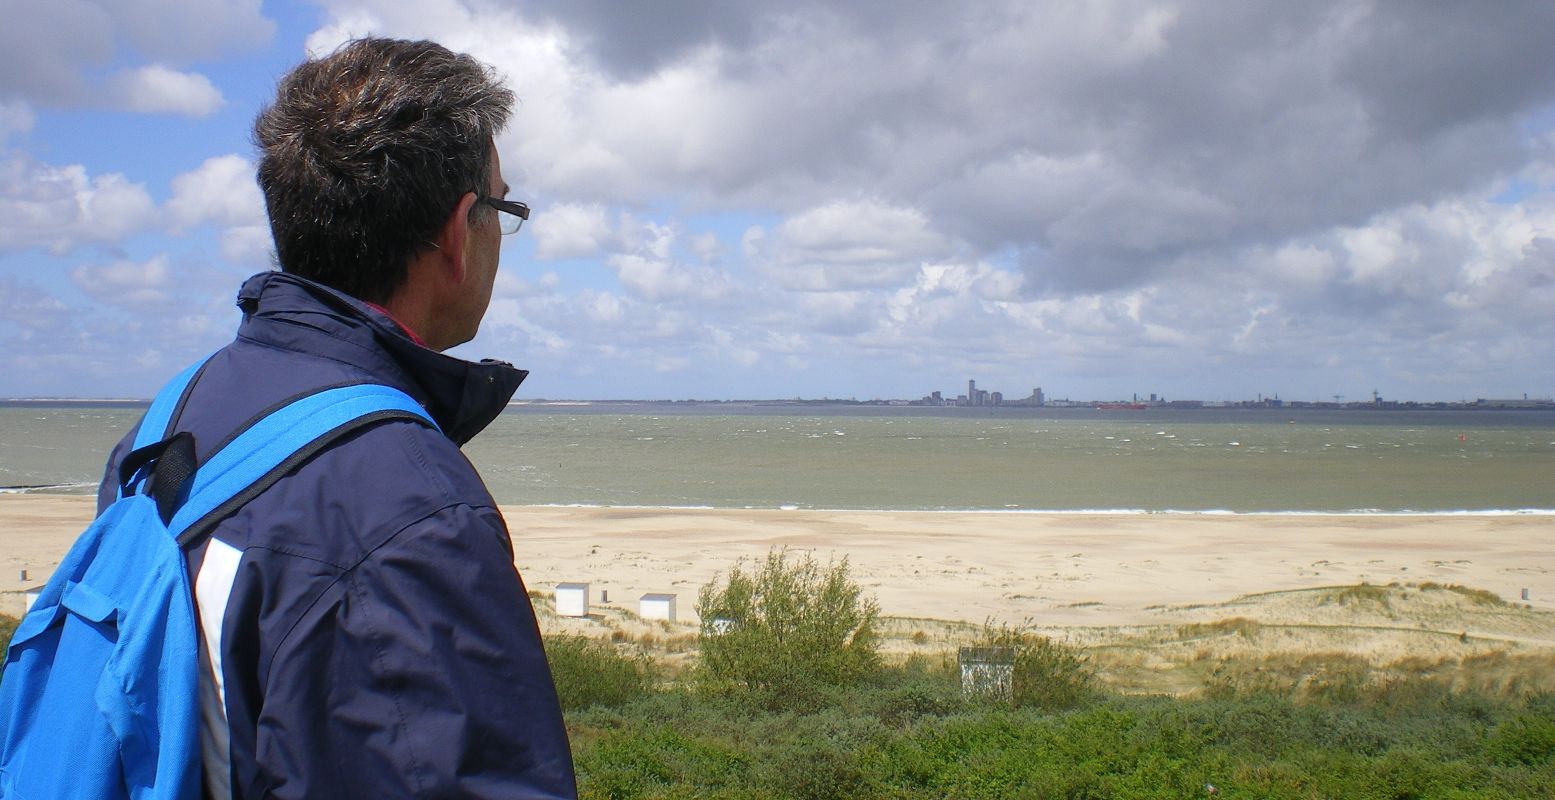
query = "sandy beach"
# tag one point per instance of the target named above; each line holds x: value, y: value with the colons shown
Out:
x: 1053, y: 570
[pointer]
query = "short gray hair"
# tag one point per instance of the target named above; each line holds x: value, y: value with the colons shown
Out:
x: 366, y: 151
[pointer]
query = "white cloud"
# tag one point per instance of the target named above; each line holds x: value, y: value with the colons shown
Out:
x: 61, y: 208
x: 603, y: 307
x: 35, y: 314
x: 222, y: 189
x: 706, y: 246
x: 570, y: 230
x: 861, y: 232
x: 143, y: 286
x: 660, y: 279
x: 248, y: 246
x: 346, y: 23
x: 651, y: 270
x: 846, y: 244
x: 15, y: 117
x: 836, y: 313
x: 156, y: 89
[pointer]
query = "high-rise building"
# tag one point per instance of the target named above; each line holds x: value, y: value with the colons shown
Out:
x: 971, y: 392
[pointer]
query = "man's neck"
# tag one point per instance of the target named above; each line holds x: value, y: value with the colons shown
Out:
x: 409, y: 331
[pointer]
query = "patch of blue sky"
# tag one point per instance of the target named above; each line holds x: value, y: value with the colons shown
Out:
x: 147, y: 149
x: 1539, y: 123
x: 1006, y: 258
x: 1517, y: 190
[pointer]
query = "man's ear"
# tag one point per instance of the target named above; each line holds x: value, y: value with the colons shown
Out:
x: 455, y: 236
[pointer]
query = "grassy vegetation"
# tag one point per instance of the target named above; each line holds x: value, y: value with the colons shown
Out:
x: 907, y: 732
x: 1258, y: 725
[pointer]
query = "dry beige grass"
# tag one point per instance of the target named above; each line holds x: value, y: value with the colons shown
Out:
x: 1326, y: 641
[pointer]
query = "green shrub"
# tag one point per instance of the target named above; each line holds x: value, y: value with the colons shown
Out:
x: 786, y: 629
x: 590, y: 672
x: 816, y: 771
x: 658, y: 762
x: 1522, y: 740
x: 1048, y: 675
x: 684, y: 744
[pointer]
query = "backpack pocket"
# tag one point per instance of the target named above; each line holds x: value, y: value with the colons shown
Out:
x: 59, y: 705
x: 90, y: 604
x: 77, y: 599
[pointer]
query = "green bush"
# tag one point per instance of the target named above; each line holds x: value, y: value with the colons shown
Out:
x: 786, y: 629
x: 590, y: 672
x: 655, y: 762
x: 1048, y: 675
x: 1522, y: 740
x: 897, y: 736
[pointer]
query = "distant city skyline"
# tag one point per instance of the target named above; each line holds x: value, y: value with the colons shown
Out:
x: 1038, y: 398
x: 976, y: 397
x: 1195, y: 199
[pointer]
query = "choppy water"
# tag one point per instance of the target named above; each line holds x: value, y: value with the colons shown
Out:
x: 996, y: 460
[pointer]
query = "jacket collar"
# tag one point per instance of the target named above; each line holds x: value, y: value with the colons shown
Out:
x: 463, y: 397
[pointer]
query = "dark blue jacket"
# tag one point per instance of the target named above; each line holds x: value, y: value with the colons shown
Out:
x: 373, y: 636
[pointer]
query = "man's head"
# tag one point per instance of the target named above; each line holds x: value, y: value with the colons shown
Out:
x: 367, y: 151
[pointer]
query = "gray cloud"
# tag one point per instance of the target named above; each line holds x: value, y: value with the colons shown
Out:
x: 1053, y: 193
x: 45, y: 46
x: 632, y: 40
x: 51, y: 52
x: 1103, y: 140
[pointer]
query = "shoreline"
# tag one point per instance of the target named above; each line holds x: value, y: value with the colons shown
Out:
x: 1076, y: 512
x: 1055, y: 570
x: 90, y: 490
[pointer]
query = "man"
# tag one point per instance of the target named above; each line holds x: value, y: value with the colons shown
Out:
x: 365, y: 630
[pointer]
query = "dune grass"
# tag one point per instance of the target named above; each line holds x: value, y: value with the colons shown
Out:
x: 1250, y: 707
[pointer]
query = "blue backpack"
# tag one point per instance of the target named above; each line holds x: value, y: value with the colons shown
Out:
x: 99, y: 696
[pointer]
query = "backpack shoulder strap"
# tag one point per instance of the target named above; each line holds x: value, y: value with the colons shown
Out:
x: 276, y: 444
x: 153, y: 426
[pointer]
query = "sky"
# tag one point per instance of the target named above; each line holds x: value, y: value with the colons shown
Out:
x: 872, y: 199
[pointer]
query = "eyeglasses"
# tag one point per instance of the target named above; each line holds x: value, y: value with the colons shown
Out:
x: 510, y: 214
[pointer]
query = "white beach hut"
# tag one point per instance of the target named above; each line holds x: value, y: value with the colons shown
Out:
x: 657, y: 606
x: 572, y: 599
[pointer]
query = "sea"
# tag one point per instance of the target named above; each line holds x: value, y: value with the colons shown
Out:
x: 1011, y: 460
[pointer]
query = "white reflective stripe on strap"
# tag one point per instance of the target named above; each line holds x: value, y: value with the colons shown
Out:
x: 212, y: 589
